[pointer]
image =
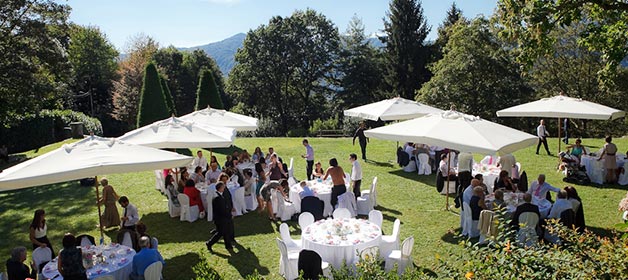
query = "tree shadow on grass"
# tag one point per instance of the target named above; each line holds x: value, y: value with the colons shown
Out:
x: 607, y: 186
x: 451, y: 236
x: 180, y: 267
x: 604, y: 232
x: 379, y: 163
x: 429, y: 180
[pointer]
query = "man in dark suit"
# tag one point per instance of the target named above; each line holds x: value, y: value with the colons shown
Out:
x: 526, y: 207
x: 221, y: 206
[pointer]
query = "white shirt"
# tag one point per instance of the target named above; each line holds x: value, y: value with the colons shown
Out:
x: 309, y: 152
x: 506, y: 162
x: 410, y: 150
x: 356, y: 171
x: 202, y: 162
x: 212, y: 175
x: 559, y: 206
x: 443, y: 168
x: 130, y: 211
x: 465, y: 161
x: 467, y: 194
x: 541, y: 131
x: 540, y: 191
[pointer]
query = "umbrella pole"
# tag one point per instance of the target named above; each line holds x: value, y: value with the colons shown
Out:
x: 559, y: 140
x: 102, y: 239
x: 447, y: 184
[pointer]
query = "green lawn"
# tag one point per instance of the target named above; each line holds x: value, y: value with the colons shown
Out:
x: 407, y: 196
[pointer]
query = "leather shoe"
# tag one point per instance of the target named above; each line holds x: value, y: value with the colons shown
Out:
x: 209, y: 247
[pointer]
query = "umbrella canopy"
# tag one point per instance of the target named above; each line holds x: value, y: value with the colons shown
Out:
x: 392, y: 109
x: 215, y: 117
x: 176, y: 133
x: 562, y: 107
x: 89, y: 157
x: 455, y: 130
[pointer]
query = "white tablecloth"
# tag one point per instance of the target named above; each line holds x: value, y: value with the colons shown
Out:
x: 247, y: 165
x: 595, y: 169
x: 338, y: 240
x: 321, y: 189
x: 237, y: 197
x: 118, y: 260
x: 515, y: 199
x: 489, y: 174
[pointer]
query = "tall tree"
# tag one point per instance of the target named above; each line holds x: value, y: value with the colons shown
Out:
x: 166, y: 90
x: 359, y: 68
x: 530, y: 22
x: 283, y: 69
x: 153, y: 105
x: 406, y: 53
x: 476, y: 74
x: 207, y: 93
x: 126, y: 89
x: 94, y: 66
x: 454, y: 14
x: 34, y: 71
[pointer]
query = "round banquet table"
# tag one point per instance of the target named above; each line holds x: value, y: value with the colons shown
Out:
x: 489, y: 174
x: 237, y: 197
x: 513, y: 200
x: 118, y: 260
x: 321, y: 189
x: 338, y: 240
x: 595, y: 169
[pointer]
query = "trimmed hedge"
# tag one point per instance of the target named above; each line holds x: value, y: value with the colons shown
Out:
x: 47, y: 127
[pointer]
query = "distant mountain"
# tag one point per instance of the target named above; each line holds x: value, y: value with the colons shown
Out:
x: 223, y: 52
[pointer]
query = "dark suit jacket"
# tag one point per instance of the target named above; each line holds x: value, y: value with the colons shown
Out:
x: 221, y: 206
x: 18, y: 270
x: 526, y: 207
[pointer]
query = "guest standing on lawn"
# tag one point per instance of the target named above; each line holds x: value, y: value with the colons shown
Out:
x: 38, y: 231
x: 111, y: 216
x: 309, y: 158
x: 356, y: 174
x: 610, y: 162
x: 362, y: 139
x: 222, y: 218
x: 130, y: 216
x: 338, y: 179
x: 542, y: 133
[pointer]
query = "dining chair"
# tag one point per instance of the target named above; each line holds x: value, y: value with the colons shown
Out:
x: 402, y: 257
x: 153, y: 271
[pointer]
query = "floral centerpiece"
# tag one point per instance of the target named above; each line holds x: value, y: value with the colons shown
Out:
x: 89, y: 259
x: 341, y: 228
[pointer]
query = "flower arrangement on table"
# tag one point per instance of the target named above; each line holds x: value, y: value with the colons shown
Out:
x: 341, y: 228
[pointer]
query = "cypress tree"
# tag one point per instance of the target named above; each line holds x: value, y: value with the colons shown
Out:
x: 207, y: 93
x: 152, y: 100
x: 169, y: 100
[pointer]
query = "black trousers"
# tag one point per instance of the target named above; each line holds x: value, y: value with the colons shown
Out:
x: 308, y: 169
x: 544, y: 141
x: 356, y: 188
x: 223, y: 229
x: 363, y: 149
x: 464, y: 178
x: 335, y: 192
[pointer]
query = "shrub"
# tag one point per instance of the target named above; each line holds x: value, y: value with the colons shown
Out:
x: 267, y: 127
x: 34, y: 131
x: 350, y: 124
x: 152, y: 106
x: 207, y: 93
x: 297, y: 132
x: 329, y: 124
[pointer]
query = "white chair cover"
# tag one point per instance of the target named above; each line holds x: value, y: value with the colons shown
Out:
x: 347, y: 178
x: 390, y: 242
x: 209, y: 209
x: 485, y: 225
x: 342, y: 213
x: 292, y: 244
x: 527, y: 229
x: 487, y: 160
x: 376, y: 217
x: 411, y: 167
x: 305, y: 219
x: 369, y: 252
x: 188, y: 213
x: 154, y: 243
x: 238, y: 201
x: 126, y: 240
x: 85, y: 242
x: 366, y: 202
x: 288, y: 261
x: 273, y: 201
x: 623, y: 178
x: 423, y: 163
x: 401, y: 257
x: 106, y: 277
x: 449, y: 187
x: 374, y: 189
x: 160, y: 182
x: 285, y: 209
x: 153, y: 271
x: 465, y: 219
x: 291, y: 169
x: 347, y: 201
x: 173, y: 210
x: 251, y: 200
x: 4, y: 276
x: 41, y: 255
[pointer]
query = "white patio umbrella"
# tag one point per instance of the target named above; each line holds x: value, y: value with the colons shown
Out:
x: 457, y: 131
x: 561, y: 106
x: 177, y: 133
x: 391, y: 109
x: 89, y: 157
x: 216, y: 117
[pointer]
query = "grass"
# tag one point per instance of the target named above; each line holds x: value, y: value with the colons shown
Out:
x: 406, y: 196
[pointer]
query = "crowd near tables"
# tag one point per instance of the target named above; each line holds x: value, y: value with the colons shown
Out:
x: 112, y: 259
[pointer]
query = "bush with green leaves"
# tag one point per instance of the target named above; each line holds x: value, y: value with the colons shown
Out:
x: 328, y: 124
x: 153, y: 105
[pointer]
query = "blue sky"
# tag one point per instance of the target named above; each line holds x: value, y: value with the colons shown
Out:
x: 186, y: 23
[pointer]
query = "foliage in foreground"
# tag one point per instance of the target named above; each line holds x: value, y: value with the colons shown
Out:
x: 577, y: 256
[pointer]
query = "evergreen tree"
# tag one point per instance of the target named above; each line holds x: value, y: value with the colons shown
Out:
x: 406, y: 53
x: 454, y: 14
x: 169, y: 101
x: 153, y: 105
x: 207, y: 93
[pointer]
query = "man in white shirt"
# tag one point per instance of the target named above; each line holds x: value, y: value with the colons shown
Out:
x: 199, y: 161
x: 212, y: 175
x: 465, y: 166
x: 409, y: 149
x: 542, y: 133
x: 356, y: 174
x: 539, y: 188
x: 130, y: 216
x: 561, y: 204
x: 309, y: 158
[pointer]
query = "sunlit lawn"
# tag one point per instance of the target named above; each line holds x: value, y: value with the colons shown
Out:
x: 407, y: 196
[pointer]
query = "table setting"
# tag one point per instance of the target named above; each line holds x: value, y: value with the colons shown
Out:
x: 111, y: 259
x: 338, y: 240
x: 514, y: 199
x: 595, y: 169
x: 320, y: 188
